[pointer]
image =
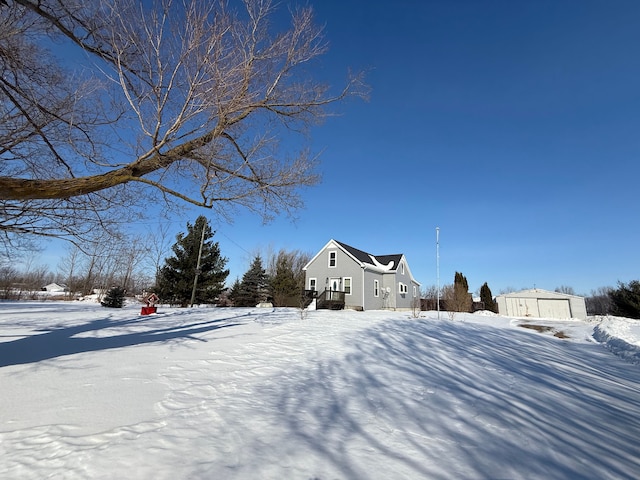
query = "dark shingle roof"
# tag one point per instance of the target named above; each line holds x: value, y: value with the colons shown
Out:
x: 365, y: 257
x: 385, y: 259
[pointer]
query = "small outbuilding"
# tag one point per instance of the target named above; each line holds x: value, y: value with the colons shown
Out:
x: 541, y: 304
x: 54, y: 288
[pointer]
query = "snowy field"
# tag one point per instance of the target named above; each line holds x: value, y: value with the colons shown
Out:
x: 95, y: 393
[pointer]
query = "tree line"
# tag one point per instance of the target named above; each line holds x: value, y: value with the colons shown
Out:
x: 84, y: 270
x: 456, y: 297
x: 191, y: 271
x: 195, y: 273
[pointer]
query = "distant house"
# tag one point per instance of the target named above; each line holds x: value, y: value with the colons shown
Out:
x: 54, y: 288
x: 346, y: 277
x: 541, y: 304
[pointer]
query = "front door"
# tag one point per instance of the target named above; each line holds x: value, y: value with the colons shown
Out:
x: 335, y: 286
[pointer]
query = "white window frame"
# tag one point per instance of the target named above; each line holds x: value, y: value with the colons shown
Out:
x: 402, y: 288
x: 333, y: 255
x: 415, y: 291
x: 349, y: 281
x: 376, y: 288
x: 402, y: 268
x: 313, y: 284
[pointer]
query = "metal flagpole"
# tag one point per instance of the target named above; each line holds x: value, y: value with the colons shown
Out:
x: 438, y: 267
x: 195, y: 278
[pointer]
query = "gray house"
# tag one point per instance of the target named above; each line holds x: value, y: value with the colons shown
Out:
x: 541, y: 303
x: 361, y: 281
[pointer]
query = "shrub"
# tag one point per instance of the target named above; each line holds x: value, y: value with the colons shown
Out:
x: 114, y: 298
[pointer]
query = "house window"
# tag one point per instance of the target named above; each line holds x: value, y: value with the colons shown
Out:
x: 333, y: 257
x: 402, y: 288
x: 402, y: 268
x: 415, y: 291
x: 376, y: 288
x: 312, y: 284
x: 347, y: 285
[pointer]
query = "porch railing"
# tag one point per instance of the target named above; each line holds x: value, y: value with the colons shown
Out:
x: 330, y: 299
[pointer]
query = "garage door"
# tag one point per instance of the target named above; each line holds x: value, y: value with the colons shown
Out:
x: 556, y: 308
x: 522, y: 307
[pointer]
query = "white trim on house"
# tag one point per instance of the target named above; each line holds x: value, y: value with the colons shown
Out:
x: 332, y: 258
x: 347, y: 282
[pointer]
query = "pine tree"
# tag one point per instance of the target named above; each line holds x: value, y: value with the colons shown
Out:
x: 176, y: 279
x: 625, y: 300
x: 254, y: 287
x: 487, y: 298
x: 284, y: 286
x: 234, y: 292
x: 114, y: 298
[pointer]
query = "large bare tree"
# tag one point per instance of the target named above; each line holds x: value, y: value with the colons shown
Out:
x: 183, y: 100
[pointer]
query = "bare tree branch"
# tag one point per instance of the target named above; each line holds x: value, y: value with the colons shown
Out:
x: 185, y: 99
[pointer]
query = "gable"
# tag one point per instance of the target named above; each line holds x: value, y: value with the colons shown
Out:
x: 330, y: 245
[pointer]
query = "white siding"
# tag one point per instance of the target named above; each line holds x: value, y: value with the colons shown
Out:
x: 541, y: 303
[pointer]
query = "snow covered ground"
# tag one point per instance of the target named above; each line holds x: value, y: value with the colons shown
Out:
x: 95, y: 393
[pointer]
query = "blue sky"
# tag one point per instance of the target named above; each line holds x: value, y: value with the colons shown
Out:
x: 513, y: 126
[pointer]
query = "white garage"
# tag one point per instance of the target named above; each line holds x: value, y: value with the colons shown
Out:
x: 541, y: 304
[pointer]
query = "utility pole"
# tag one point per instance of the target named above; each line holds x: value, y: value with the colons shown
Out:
x: 438, y: 267
x: 195, y: 278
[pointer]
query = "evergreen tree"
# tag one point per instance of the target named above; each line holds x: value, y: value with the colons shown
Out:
x: 284, y: 285
x: 625, y: 300
x: 234, y: 292
x: 114, y: 298
x: 486, y: 297
x: 462, y: 300
x: 176, y: 279
x: 254, y: 287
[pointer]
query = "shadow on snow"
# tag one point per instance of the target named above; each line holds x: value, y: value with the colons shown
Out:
x: 58, y: 342
x: 426, y: 395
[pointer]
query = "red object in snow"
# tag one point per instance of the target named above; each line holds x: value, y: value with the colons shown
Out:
x: 150, y: 300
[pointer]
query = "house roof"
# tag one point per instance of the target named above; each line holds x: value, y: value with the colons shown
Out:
x: 389, y: 261
x: 538, y: 292
x: 370, y: 259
